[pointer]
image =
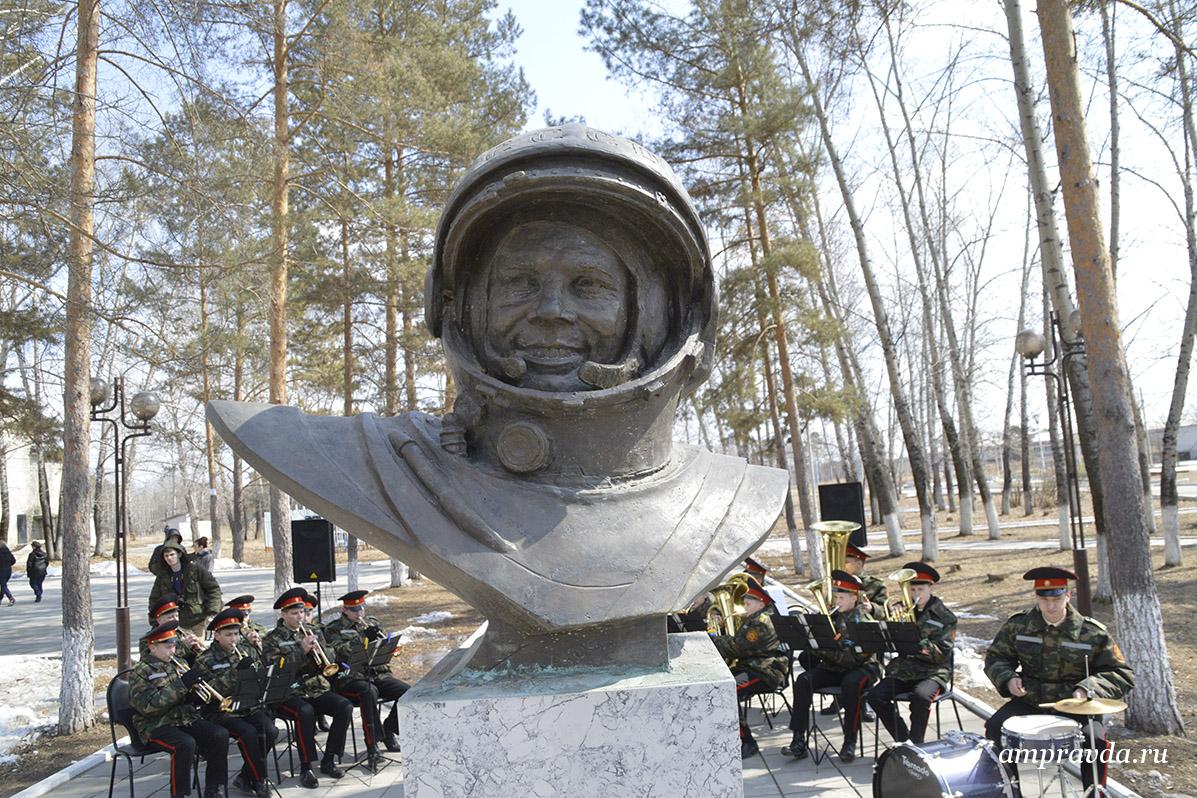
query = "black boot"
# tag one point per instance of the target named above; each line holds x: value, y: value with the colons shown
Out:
x: 848, y: 751
x: 831, y: 709
x: 307, y: 778
x: 215, y: 791
x: 392, y: 742
x: 240, y: 782
x: 374, y: 760
x: 262, y: 788
x: 797, y: 748
x: 328, y: 766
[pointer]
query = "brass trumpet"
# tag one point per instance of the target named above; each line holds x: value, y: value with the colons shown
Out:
x: 901, y: 610
x: 326, y: 666
x: 205, y: 691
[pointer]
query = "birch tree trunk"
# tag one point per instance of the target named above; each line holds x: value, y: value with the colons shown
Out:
x: 351, y: 544
x: 1059, y: 463
x: 1153, y: 708
x: 910, y: 433
x: 209, y: 435
x: 238, y: 525
x: 1169, y: 498
x: 280, y: 505
x: 4, y: 500
x: 76, y: 710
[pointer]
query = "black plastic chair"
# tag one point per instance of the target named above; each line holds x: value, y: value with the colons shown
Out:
x: 120, y: 713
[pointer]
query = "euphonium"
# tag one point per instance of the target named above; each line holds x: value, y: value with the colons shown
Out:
x: 905, y: 612
x: 727, y: 602
x: 205, y: 691
x: 326, y: 666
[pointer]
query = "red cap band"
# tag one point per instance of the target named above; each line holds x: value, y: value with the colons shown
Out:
x: 165, y: 608
x: 294, y: 601
x: 1039, y: 583
x: 844, y: 585
x: 221, y: 624
x: 161, y: 637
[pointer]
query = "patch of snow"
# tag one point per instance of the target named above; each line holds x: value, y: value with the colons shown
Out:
x: 419, y: 633
x: 970, y: 661
x: 437, y: 616
x: 228, y: 564
x: 776, y: 547
x: 29, y: 695
x: 967, y: 614
x: 378, y: 598
x: 107, y: 568
x: 53, y: 570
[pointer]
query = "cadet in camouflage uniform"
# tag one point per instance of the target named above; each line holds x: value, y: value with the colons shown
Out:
x: 753, y: 654
x: 254, y: 731
x: 873, y: 593
x: 353, y: 629
x: 165, y: 716
x: 845, y: 668
x: 924, y: 675
x: 165, y: 610
x: 1040, y: 654
x: 198, y: 591
x: 312, y: 694
x: 251, y: 630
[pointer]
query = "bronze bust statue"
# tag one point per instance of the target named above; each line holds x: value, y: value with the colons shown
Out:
x: 572, y: 288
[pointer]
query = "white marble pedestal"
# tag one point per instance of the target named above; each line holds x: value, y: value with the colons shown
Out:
x: 575, y: 734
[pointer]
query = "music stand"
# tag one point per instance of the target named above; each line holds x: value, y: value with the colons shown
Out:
x: 257, y: 690
x: 810, y: 632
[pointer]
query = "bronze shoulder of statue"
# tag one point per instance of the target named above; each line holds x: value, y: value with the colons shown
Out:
x: 572, y: 288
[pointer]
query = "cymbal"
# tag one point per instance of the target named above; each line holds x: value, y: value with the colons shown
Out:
x: 1092, y: 706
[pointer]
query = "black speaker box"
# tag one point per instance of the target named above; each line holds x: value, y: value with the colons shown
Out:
x: 844, y: 501
x: 312, y: 551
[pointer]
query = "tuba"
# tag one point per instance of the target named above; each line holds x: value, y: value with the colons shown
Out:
x: 903, y: 612
x: 834, y: 535
x: 727, y: 606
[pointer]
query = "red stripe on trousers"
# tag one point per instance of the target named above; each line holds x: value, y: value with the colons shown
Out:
x: 245, y: 755
x: 171, y: 748
x: 303, y: 749
x: 361, y: 705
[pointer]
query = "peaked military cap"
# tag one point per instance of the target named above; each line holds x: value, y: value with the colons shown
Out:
x: 240, y: 603
x: 295, y: 597
x: 162, y: 633
x: 1049, y: 580
x: 852, y: 551
x: 925, y: 574
x: 755, y: 568
x: 167, y: 602
x: 225, y: 618
x: 757, y: 592
x: 844, y: 581
x: 354, y: 598
x: 309, y: 600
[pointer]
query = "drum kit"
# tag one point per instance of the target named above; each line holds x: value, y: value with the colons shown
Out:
x: 965, y: 765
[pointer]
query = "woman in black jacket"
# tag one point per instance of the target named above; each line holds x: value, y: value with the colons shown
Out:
x: 7, y: 561
x: 35, y: 568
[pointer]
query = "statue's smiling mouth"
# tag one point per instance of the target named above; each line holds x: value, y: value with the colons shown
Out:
x: 545, y: 356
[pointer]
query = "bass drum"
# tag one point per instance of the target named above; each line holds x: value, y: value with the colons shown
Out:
x: 961, y: 765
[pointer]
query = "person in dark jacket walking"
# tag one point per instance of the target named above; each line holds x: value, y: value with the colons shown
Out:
x: 36, y: 565
x: 7, y: 561
x: 198, y: 590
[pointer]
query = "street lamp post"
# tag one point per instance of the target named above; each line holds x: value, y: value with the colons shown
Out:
x: 1030, y: 345
x: 143, y: 406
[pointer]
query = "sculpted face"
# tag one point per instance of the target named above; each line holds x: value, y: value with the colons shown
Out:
x: 556, y: 298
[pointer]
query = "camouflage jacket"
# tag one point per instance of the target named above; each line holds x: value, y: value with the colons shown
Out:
x: 1051, y: 659
x: 200, y: 597
x: 874, y: 588
x: 219, y: 669
x: 848, y: 658
x: 281, y: 641
x: 756, y: 649
x: 344, y: 634
x: 159, y: 697
x: 937, y: 625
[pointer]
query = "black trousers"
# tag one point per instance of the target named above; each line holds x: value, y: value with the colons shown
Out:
x: 922, y: 693
x: 390, y: 689
x: 209, y: 739
x: 35, y: 582
x: 748, y: 685
x: 250, y: 731
x: 364, y: 696
x: 304, y: 710
x: 853, y: 684
x: 1097, y: 743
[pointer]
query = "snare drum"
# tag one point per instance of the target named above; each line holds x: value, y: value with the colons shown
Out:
x: 961, y: 765
x: 1041, y: 733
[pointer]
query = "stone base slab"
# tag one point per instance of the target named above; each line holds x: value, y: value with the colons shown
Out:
x: 577, y: 733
